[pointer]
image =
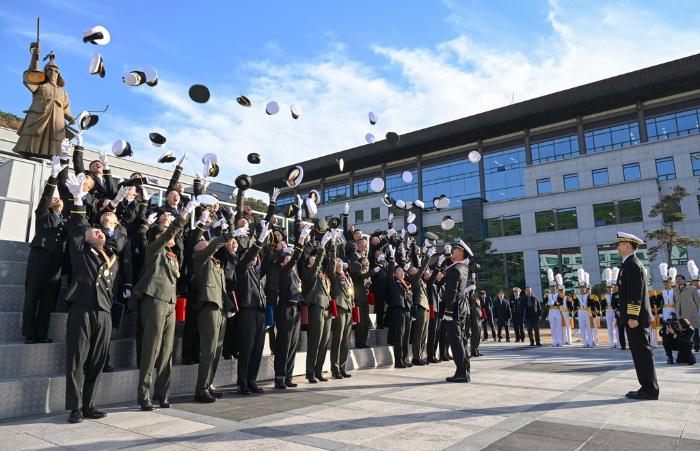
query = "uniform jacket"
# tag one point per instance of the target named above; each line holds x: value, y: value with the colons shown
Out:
x: 209, y: 276
x: 249, y: 289
x: 49, y: 231
x: 455, y: 296
x: 290, y: 287
x: 361, y: 281
x: 94, y: 273
x: 160, y: 266
x: 342, y: 290
x: 317, y: 281
x: 105, y: 188
x: 419, y: 287
x: 516, y: 307
x: 632, y: 289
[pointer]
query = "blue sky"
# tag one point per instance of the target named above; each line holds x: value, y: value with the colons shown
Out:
x: 416, y: 63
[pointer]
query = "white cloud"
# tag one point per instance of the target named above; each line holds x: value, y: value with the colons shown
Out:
x: 452, y: 80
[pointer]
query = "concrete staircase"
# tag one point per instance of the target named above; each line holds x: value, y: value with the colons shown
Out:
x: 32, y: 377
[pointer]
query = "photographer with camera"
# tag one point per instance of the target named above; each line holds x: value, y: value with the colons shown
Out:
x: 678, y: 336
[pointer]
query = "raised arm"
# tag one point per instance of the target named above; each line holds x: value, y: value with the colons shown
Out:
x: 200, y: 257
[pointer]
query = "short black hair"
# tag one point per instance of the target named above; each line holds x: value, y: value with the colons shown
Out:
x: 681, y: 276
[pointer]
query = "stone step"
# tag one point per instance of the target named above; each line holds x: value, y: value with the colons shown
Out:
x: 11, y: 327
x: 19, y: 360
x: 16, y: 251
x: 13, y: 272
x: 11, y: 297
x: 31, y: 396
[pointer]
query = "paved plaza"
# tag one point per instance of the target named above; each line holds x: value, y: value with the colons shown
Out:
x: 519, y: 398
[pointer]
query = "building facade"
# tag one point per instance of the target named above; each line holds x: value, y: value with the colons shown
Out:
x: 559, y: 175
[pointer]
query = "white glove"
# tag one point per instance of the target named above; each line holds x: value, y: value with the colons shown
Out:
x: 205, y: 183
x: 299, y: 201
x: 448, y: 248
x: 66, y: 147
x: 407, y: 266
x: 403, y: 233
x: 391, y: 217
x: 264, y: 231
x: 75, y: 186
x: 191, y: 205
x: 431, y: 251
x: 275, y: 194
x: 241, y: 231
x: 55, y: 166
x: 305, y: 231
x: 151, y: 218
x: 204, y: 216
x: 126, y: 294
x: 337, y: 233
x: 376, y: 269
x: 392, y: 250
x: 220, y: 223
x: 471, y: 287
x: 391, y: 232
x: 182, y: 159
x: 104, y: 159
x: 346, y: 208
x: 326, y: 238
x: 79, y: 139
x: 230, y: 314
x: 121, y: 194
x: 441, y: 259
x: 145, y: 194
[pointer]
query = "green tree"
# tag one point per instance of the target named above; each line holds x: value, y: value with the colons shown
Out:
x: 256, y: 204
x: 669, y: 208
x: 9, y: 120
x: 491, y: 275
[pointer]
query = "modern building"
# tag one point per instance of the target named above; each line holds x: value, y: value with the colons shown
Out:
x: 560, y: 174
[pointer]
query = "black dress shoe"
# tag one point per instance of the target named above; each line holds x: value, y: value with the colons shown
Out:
x: 433, y: 360
x: 311, y: 379
x: 107, y: 369
x: 43, y: 340
x: 337, y: 376
x: 623, y: 348
x: 227, y: 357
x: 642, y: 395
x: 31, y: 341
x: 162, y: 402
x: 187, y: 362
x: 417, y: 362
x: 75, y: 416
x: 345, y: 374
x: 279, y: 385
x: 321, y: 378
x: 539, y: 344
x: 669, y: 360
x: 290, y: 384
x: 146, y: 405
x: 444, y: 359
x: 255, y: 389
x: 244, y: 391
x: 204, y: 397
x: 215, y: 394
x: 457, y: 379
x: 408, y: 364
x: 400, y: 365
x: 93, y: 413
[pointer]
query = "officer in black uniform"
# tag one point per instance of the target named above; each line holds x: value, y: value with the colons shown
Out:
x: 89, y: 325
x: 43, y: 281
x: 635, y: 313
x: 456, y: 313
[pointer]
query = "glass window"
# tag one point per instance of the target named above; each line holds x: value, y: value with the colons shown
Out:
x: 511, y: 225
x: 544, y: 186
x: 555, y: 149
x: 665, y: 169
x: 455, y: 233
x: 610, y: 138
x: 570, y: 263
x: 361, y: 188
x: 695, y: 162
x: 493, y: 228
x: 549, y: 258
x: 359, y: 216
x: 630, y: 211
x: 282, y: 203
x: 503, y: 174
x: 544, y: 221
x: 631, y: 172
x: 336, y: 194
x: 604, y: 214
x: 672, y: 125
x: 570, y: 182
x: 679, y: 255
x: 375, y: 214
x: 698, y: 197
x: 566, y: 218
x: 515, y: 270
x: 600, y: 177
x: 398, y: 189
x: 458, y: 179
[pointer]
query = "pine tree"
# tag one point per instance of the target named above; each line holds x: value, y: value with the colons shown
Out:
x: 668, y: 207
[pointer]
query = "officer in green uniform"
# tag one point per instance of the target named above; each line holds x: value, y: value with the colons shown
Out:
x: 417, y: 277
x: 341, y: 327
x: 155, y: 295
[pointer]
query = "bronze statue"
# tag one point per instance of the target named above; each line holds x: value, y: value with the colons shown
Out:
x: 44, y: 126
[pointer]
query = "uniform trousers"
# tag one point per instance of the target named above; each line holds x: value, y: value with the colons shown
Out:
x: 419, y: 332
x: 643, y: 358
x: 433, y: 336
x: 400, y: 327
x: 211, y: 323
x: 87, y: 344
x: 319, y: 337
x: 251, y: 341
x: 158, y: 322
x: 288, y: 323
x: 362, y: 329
x: 41, y: 287
x: 340, y: 340
x: 475, y: 329
x: 458, y: 342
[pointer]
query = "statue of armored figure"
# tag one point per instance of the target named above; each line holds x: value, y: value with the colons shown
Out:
x: 44, y: 126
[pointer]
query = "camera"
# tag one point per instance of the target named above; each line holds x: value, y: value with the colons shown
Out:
x: 672, y: 321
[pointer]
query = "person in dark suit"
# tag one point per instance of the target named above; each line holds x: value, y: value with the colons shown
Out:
x: 456, y: 309
x: 487, y: 308
x: 89, y: 327
x: 502, y: 313
x: 43, y: 281
x: 516, y: 302
x: 635, y: 313
x: 532, y: 313
x: 399, y: 303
